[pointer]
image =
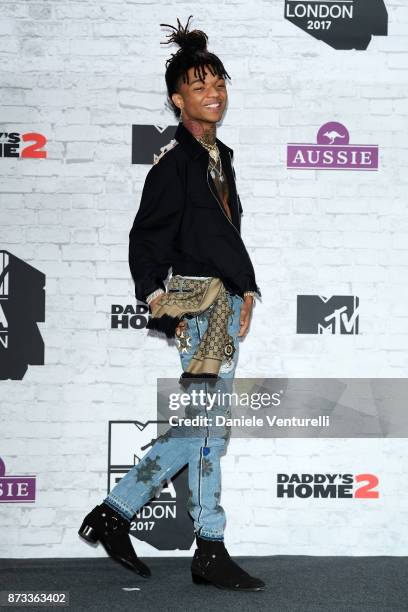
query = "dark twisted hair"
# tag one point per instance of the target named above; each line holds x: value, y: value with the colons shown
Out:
x: 192, y: 53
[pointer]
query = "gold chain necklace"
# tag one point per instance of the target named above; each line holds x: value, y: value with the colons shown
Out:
x: 215, y: 155
x: 211, y: 148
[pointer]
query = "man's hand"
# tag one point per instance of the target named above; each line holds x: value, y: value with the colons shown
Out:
x: 245, y: 315
x: 154, y: 303
x: 180, y: 327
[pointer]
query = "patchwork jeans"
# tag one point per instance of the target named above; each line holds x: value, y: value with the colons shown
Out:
x: 199, y: 447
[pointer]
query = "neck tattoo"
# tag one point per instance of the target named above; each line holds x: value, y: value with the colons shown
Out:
x: 206, y: 136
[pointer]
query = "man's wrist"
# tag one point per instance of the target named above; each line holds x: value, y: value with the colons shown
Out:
x: 152, y: 296
x: 251, y: 294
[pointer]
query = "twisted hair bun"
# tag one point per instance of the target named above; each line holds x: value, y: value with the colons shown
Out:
x: 192, y: 53
x: 189, y: 42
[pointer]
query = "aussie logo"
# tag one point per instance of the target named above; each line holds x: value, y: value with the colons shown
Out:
x: 317, y: 314
x: 16, y: 489
x: 332, y: 151
x: 337, y: 486
x: 342, y: 24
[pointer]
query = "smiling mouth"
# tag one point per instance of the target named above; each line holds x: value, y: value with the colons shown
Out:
x: 213, y: 105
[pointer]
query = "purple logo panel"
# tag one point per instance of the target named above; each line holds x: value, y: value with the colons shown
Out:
x: 16, y: 489
x: 333, y: 151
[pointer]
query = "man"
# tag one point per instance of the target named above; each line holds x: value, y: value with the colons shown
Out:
x: 189, y: 221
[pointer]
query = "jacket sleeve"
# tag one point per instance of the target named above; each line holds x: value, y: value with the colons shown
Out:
x: 235, y: 179
x: 152, y: 239
x: 240, y: 205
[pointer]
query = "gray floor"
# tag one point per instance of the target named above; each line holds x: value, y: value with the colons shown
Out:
x: 294, y: 584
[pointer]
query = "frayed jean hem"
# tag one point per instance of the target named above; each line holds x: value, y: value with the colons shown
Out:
x: 119, y: 507
x: 210, y: 536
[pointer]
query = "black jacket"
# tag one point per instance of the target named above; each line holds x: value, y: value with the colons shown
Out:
x: 181, y: 223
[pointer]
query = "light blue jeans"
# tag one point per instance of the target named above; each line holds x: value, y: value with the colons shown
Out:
x: 200, y: 447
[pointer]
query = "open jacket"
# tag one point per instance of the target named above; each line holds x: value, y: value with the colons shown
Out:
x: 181, y: 222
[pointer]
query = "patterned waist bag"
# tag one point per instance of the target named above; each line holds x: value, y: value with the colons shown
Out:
x: 196, y: 297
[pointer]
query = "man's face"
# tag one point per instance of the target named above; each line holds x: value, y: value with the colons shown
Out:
x: 202, y: 101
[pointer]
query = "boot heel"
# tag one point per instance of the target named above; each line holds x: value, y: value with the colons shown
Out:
x: 89, y: 534
x: 199, y: 579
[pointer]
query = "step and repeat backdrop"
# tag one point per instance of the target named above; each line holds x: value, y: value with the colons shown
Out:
x: 317, y: 118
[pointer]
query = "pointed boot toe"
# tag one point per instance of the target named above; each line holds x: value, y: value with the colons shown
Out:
x: 212, y: 564
x: 105, y: 525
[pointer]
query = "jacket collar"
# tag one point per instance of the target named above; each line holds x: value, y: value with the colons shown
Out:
x: 191, y: 144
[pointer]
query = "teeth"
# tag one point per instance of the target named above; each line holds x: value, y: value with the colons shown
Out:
x: 212, y: 105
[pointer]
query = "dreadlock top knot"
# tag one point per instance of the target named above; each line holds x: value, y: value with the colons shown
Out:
x: 196, y: 40
x: 193, y: 53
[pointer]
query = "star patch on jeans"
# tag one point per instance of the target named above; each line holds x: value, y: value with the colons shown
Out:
x: 183, y: 341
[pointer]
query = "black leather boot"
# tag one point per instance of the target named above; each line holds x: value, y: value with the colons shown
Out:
x: 107, y: 526
x: 212, y: 564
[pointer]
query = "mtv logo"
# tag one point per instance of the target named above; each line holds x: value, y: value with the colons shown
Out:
x: 22, y: 305
x: 150, y: 142
x: 337, y: 314
x: 342, y: 24
x: 163, y: 522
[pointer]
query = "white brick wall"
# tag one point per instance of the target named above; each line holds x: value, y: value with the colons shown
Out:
x: 82, y: 73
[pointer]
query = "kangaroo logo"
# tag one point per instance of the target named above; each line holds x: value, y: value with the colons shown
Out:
x: 332, y: 151
x: 331, y: 136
